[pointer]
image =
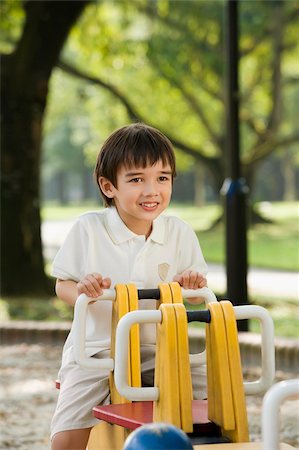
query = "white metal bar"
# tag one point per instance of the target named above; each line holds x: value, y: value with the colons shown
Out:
x: 121, y: 355
x: 79, y: 324
x: 270, y: 411
x: 79, y: 329
x: 241, y: 312
x: 206, y: 293
x: 198, y: 359
x: 267, y: 347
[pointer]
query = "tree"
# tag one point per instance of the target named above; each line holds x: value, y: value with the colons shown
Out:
x: 24, y: 87
x: 180, y: 89
x: 163, y: 62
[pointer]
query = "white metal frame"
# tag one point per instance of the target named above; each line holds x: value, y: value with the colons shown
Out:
x: 270, y: 411
x: 79, y: 325
x: 272, y: 399
x: 79, y: 330
x: 266, y: 380
x: 241, y: 312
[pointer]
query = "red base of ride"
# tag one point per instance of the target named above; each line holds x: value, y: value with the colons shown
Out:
x: 134, y: 415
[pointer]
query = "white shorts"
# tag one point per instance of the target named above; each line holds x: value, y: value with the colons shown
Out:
x: 81, y: 389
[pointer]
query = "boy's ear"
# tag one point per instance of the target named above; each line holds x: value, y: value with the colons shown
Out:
x: 106, y: 187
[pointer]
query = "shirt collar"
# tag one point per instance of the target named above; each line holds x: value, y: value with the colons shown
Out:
x: 120, y: 233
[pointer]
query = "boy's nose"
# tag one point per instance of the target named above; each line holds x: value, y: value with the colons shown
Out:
x: 150, y: 189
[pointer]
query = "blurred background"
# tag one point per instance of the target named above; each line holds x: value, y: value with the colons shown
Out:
x: 71, y: 73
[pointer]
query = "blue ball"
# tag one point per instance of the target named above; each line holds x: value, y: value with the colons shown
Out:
x: 158, y: 436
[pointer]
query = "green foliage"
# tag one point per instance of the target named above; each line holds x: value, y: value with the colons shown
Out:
x: 4, y: 313
x: 25, y: 308
x: 11, y: 23
x: 168, y: 60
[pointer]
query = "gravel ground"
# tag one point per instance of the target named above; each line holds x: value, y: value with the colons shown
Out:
x: 28, y: 396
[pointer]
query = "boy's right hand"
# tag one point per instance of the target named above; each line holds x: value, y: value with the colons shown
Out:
x: 93, y: 284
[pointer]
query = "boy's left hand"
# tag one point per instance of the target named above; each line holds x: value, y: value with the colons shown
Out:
x: 191, y: 279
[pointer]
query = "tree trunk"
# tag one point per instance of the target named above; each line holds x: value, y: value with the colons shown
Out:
x: 24, y: 87
x: 86, y: 176
x: 289, y: 177
x: 199, y: 185
x: 62, y: 190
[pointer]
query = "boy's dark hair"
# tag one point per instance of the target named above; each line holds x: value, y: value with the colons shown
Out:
x: 132, y: 145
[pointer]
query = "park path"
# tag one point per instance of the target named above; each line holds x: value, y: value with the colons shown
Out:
x: 263, y: 282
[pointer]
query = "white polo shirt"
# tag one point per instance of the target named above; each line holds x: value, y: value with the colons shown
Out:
x: 100, y: 242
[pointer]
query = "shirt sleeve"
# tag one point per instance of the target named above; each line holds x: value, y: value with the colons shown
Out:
x: 191, y: 256
x: 69, y: 262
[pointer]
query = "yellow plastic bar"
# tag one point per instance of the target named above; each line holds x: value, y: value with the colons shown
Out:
x: 214, y: 407
x: 240, y: 434
x: 185, y: 380
x: 165, y: 293
x: 222, y: 412
x: 214, y: 413
x: 176, y: 291
x: 211, y: 389
x: 167, y: 408
x: 119, y: 309
x: 135, y: 364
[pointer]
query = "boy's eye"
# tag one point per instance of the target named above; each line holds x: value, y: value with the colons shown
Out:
x: 135, y: 180
x: 163, y: 178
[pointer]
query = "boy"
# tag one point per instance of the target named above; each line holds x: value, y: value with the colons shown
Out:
x: 128, y: 242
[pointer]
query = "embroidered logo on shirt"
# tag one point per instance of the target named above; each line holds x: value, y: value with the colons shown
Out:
x: 163, y: 270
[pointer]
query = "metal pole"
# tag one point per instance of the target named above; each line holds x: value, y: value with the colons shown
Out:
x: 234, y: 187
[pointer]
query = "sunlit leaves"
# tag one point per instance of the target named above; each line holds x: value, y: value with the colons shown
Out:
x: 168, y: 59
x: 11, y: 23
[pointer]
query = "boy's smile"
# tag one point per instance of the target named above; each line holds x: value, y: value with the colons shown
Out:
x: 141, y: 195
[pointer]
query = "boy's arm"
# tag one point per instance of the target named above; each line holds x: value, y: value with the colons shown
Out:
x: 92, y: 285
x: 67, y: 291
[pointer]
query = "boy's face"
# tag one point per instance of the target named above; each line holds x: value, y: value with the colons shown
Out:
x: 142, y: 194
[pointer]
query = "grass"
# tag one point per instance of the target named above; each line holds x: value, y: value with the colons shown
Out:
x: 285, y: 317
x: 28, y: 308
x: 274, y: 245
x: 54, y: 211
x: 270, y: 245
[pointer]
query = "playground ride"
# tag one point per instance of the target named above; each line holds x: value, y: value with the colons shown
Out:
x: 158, y: 436
x: 216, y: 421
x: 125, y: 299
